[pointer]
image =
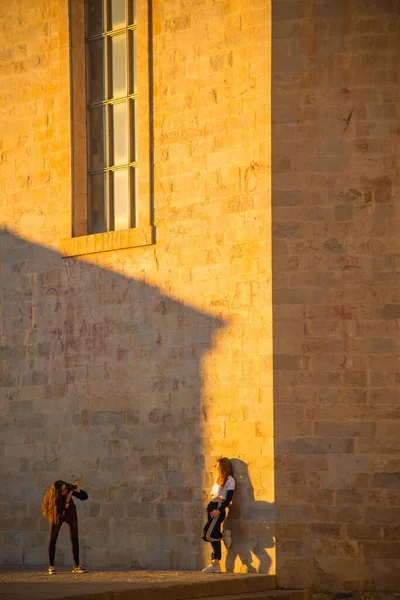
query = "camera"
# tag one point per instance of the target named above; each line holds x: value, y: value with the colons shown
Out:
x: 70, y: 487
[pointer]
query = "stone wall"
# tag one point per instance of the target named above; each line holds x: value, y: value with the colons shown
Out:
x: 336, y: 293
x: 133, y: 370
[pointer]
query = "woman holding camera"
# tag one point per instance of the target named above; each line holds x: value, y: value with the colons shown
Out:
x: 58, y: 506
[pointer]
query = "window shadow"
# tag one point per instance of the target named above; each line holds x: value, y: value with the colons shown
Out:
x: 101, y: 381
x: 252, y: 525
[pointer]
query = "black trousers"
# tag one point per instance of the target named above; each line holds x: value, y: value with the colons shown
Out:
x: 212, y: 530
x: 73, y: 536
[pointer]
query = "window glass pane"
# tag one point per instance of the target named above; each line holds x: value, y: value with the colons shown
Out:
x: 118, y: 66
x: 121, y: 200
x: 94, y: 20
x: 119, y: 133
x: 95, y: 71
x: 132, y: 133
x: 117, y: 14
x: 133, y: 195
x: 97, y: 205
x: 96, y: 138
x: 132, y: 52
x: 132, y: 15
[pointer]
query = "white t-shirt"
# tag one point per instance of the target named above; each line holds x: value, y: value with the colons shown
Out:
x: 219, y: 491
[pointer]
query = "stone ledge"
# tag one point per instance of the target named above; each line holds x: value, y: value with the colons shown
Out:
x: 35, y: 584
x: 104, y: 242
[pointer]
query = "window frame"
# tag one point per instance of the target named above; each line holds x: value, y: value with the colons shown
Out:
x: 142, y: 231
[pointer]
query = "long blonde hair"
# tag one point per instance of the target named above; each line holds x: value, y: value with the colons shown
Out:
x: 49, y: 504
x: 224, y: 470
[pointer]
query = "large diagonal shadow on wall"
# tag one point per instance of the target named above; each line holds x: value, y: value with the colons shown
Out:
x: 101, y: 380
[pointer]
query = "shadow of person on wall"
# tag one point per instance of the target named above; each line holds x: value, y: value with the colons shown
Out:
x: 252, y: 525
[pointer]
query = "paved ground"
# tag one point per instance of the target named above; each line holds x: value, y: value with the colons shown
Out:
x: 34, y: 584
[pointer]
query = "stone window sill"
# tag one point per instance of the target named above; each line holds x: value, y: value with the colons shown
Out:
x: 104, y: 242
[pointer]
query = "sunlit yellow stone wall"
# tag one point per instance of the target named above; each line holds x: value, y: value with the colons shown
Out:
x: 94, y: 375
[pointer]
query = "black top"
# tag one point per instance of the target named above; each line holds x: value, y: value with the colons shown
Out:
x: 226, y: 503
x: 69, y: 515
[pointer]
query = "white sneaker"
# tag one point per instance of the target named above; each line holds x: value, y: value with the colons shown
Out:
x: 212, y: 569
x: 227, y: 538
x: 52, y: 571
x: 80, y: 570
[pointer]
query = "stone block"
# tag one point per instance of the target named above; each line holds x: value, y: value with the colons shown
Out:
x: 291, y: 530
x: 386, y: 480
x: 338, y: 514
x: 389, y: 533
x: 343, y: 212
x: 355, y: 378
x: 336, y: 429
x: 324, y: 446
x: 101, y: 418
x: 118, y: 559
x: 382, y: 516
x: 334, y: 574
x: 290, y: 362
x: 346, y: 464
x: 293, y: 514
x: 385, y: 574
x: 35, y: 378
x: 98, y: 524
x: 95, y: 555
x: 11, y: 557
x: 325, y: 532
x: 295, y: 571
x: 169, y: 510
x: 138, y: 510
x: 380, y: 550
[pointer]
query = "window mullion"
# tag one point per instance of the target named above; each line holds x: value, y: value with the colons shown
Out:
x: 107, y: 114
x: 111, y: 32
x: 128, y: 107
x: 107, y: 173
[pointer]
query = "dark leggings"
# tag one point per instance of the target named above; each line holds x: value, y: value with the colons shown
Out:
x: 73, y: 536
x: 212, y: 530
